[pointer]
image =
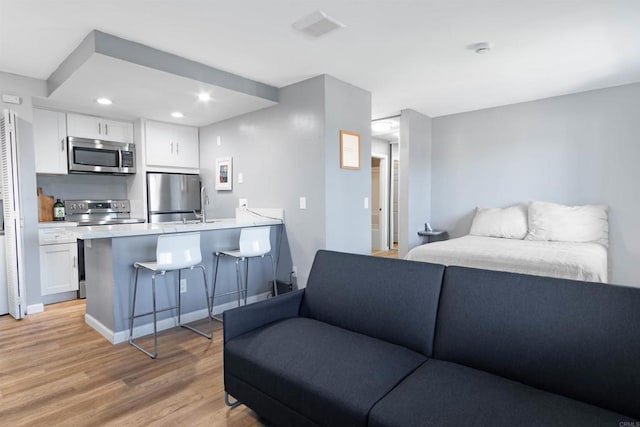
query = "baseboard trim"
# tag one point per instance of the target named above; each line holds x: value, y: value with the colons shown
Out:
x: 168, y: 323
x: 35, y: 308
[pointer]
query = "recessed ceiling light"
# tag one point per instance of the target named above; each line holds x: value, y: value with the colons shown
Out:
x: 104, y: 101
x: 177, y: 114
x: 482, y: 48
x: 381, y: 126
x: 204, y: 97
x: 317, y: 24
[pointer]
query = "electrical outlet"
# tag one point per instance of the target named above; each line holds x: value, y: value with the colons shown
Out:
x: 366, y: 203
x: 240, y: 178
x: 243, y: 203
x: 303, y: 203
x: 183, y: 286
x: 294, y: 270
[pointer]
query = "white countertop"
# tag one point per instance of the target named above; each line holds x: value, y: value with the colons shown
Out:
x: 127, y: 230
x: 57, y: 224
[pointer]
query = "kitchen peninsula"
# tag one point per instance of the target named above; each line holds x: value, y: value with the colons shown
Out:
x: 111, y: 250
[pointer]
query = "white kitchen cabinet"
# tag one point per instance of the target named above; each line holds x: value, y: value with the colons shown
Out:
x: 50, y: 139
x: 171, y: 146
x: 58, y: 268
x: 92, y: 127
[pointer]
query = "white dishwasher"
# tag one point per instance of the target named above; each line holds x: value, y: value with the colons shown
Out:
x: 58, y: 262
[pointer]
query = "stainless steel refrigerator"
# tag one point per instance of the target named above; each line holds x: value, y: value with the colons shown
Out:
x: 173, y: 197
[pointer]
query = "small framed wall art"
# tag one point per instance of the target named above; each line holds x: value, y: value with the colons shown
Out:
x: 349, y: 150
x: 224, y: 173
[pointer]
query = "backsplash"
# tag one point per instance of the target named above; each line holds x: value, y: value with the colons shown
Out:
x: 83, y: 186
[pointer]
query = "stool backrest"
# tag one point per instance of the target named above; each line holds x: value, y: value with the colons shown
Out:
x: 254, y: 241
x: 180, y: 250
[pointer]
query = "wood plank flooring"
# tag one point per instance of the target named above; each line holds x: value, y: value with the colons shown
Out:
x: 56, y: 370
x: 392, y: 253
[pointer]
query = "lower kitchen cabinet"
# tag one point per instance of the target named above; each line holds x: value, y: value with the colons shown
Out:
x: 58, y: 268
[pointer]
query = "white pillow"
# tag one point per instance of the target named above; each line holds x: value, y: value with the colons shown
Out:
x: 510, y: 223
x: 550, y: 221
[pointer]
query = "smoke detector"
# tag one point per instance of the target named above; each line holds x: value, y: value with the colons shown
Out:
x: 482, y: 48
x: 317, y: 24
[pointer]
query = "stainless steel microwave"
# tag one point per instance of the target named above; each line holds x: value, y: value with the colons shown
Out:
x: 93, y: 155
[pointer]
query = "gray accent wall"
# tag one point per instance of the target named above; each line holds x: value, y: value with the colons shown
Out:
x: 348, y: 223
x: 289, y: 151
x: 575, y: 149
x: 26, y: 87
x: 414, y: 180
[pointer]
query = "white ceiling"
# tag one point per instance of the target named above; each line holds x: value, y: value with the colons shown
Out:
x: 409, y: 54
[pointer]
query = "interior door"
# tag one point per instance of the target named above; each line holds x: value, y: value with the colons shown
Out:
x: 12, y: 219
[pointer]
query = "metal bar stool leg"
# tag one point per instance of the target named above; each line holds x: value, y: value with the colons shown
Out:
x: 155, y: 320
x: 273, y: 276
x: 238, y: 278
x: 246, y: 279
x: 179, y: 298
x: 213, y: 291
x: 206, y: 290
x: 133, y: 306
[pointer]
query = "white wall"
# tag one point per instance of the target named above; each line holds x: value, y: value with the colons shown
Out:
x: 291, y: 150
x: 414, y: 179
x: 26, y: 87
x: 574, y: 149
x: 348, y: 222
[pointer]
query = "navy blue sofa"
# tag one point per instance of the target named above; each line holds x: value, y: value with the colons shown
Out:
x: 382, y: 342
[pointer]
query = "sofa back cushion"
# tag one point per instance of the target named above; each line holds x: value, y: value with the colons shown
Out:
x: 577, y: 339
x: 393, y: 300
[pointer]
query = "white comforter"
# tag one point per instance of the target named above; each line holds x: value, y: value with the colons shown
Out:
x: 579, y: 261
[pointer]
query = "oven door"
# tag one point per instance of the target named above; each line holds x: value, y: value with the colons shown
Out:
x: 91, y: 155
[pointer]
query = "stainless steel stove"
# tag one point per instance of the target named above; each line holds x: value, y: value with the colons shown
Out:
x: 99, y: 212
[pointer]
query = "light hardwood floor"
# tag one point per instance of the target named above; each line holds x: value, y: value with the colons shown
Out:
x: 56, y: 370
x: 393, y: 253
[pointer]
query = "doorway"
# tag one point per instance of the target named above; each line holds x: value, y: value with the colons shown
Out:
x: 384, y: 188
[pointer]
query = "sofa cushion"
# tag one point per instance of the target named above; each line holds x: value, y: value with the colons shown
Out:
x: 443, y: 394
x: 573, y: 338
x: 393, y: 300
x: 330, y: 375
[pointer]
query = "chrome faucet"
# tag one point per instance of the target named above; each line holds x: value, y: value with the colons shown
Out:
x: 204, y: 200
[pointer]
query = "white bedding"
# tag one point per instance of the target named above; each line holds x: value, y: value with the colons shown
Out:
x: 569, y: 260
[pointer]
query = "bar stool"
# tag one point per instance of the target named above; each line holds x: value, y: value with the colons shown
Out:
x: 254, y: 242
x: 173, y: 252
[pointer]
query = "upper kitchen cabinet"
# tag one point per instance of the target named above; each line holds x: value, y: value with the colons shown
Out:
x: 92, y: 127
x: 50, y: 138
x: 171, y: 146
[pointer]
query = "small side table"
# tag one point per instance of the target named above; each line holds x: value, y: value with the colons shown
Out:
x: 434, y: 235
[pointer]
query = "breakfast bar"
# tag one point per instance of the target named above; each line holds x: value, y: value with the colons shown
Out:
x: 110, y: 252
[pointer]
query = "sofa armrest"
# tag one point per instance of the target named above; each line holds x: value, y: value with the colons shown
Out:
x: 243, y: 319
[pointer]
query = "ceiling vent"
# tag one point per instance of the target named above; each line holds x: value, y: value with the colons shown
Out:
x: 317, y: 24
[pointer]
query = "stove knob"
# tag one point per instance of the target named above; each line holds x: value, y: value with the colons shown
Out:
x: 73, y: 206
x: 123, y: 205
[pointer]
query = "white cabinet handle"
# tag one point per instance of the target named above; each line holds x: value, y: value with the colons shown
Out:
x: 62, y: 144
x: 74, y: 262
x: 177, y: 148
x: 106, y: 129
x: 171, y: 147
x: 99, y: 128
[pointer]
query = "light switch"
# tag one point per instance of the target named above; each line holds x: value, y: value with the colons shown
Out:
x: 303, y: 203
x: 218, y: 140
x: 240, y: 178
x: 366, y: 203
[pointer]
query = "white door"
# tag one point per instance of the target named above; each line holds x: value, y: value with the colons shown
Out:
x: 12, y: 216
x: 380, y: 202
x: 4, y: 292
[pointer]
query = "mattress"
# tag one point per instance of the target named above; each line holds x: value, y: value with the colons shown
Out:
x: 568, y: 260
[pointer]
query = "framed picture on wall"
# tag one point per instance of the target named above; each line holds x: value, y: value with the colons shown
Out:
x: 224, y: 173
x: 349, y: 150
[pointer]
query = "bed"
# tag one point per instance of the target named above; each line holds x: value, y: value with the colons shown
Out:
x: 543, y: 239
x: 568, y: 260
